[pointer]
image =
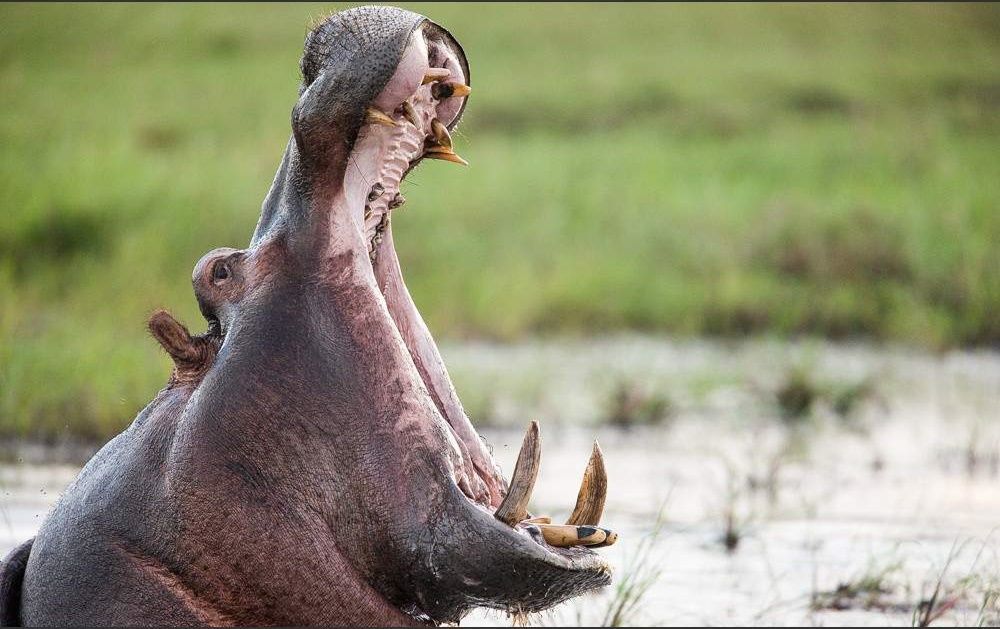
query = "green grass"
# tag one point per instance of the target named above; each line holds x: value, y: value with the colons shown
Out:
x: 828, y: 170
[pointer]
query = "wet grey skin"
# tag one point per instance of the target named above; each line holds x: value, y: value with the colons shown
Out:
x: 308, y: 462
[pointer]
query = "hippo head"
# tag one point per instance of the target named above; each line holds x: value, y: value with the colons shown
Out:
x: 325, y: 405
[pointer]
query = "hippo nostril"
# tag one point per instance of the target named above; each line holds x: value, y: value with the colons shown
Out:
x: 220, y: 272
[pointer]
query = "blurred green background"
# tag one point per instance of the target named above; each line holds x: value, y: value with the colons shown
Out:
x: 691, y: 170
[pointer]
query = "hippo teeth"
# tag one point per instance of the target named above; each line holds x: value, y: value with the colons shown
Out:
x: 566, y: 535
x: 410, y: 113
x: 435, y: 74
x: 581, y: 528
x: 445, y: 154
x: 377, y: 116
x: 441, y: 133
x: 610, y: 538
x: 440, y: 147
x: 593, y: 491
x: 514, y: 508
x: 449, y: 89
x: 403, y: 144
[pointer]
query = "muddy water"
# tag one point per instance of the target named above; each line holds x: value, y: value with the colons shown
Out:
x: 888, y: 492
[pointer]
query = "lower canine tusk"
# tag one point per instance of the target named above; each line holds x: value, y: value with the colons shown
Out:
x: 514, y: 507
x: 593, y: 491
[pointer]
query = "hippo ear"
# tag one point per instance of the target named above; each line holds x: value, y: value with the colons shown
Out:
x: 174, y: 337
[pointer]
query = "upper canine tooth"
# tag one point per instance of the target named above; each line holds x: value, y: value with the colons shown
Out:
x: 435, y: 74
x: 441, y: 133
x: 443, y: 90
x: 377, y: 116
x: 593, y: 491
x: 514, y: 507
x: 410, y: 114
x: 444, y: 153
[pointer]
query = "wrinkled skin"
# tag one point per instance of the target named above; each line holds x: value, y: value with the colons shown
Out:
x: 309, y: 461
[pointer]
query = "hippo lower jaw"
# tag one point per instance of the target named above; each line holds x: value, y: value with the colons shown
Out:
x: 564, y: 567
x: 398, y: 135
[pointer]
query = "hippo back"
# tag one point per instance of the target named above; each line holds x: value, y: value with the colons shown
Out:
x: 11, y: 578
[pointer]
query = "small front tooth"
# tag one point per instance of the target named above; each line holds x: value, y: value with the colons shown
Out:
x: 593, y: 492
x: 610, y: 539
x: 410, y: 114
x: 441, y: 133
x: 377, y: 116
x: 445, y: 90
x: 435, y: 74
x: 444, y: 153
x: 514, y: 507
x: 565, y: 535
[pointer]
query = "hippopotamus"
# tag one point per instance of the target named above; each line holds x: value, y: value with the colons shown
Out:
x: 309, y: 461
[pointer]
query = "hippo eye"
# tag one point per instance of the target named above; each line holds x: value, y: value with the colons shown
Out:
x: 220, y: 272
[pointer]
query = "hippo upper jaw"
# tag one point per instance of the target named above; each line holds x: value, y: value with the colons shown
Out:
x: 382, y: 89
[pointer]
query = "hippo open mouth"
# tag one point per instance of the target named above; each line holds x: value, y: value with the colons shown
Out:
x: 406, y: 116
x: 309, y: 461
